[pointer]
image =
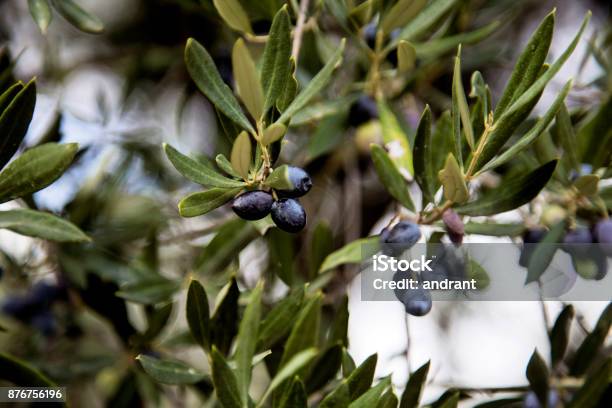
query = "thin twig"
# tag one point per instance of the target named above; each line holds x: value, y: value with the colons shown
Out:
x: 299, y: 30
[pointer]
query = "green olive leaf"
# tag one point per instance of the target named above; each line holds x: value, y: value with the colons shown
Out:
x: 20, y: 373
x: 544, y: 252
x: 233, y: 14
x: 247, y: 79
x: 453, y: 181
x: 198, y: 314
x: 390, y: 176
x: 528, y: 65
x: 291, y: 368
x: 273, y: 133
x: 226, y: 384
x: 422, y: 156
x: 360, y: 379
x: 512, y: 193
x: 16, y: 110
x: 242, y: 154
x: 460, y: 110
x: 246, y: 344
x: 276, y: 67
x: 279, y: 178
x: 414, y: 388
x: 537, y: 374
x: 78, y: 17
x: 170, y: 371
x: 35, y: 169
x: 204, y: 73
x: 372, y: 396
x: 41, y: 13
x: 41, y: 225
x: 406, y: 56
x: 197, y: 171
x: 559, y: 334
x: 203, y: 202
x: 315, y: 86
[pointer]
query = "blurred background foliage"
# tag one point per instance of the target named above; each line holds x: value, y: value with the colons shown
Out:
x: 111, y: 77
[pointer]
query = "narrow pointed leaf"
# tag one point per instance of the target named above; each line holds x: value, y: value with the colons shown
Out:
x: 590, y: 347
x: 436, y: 47
x: 289, y: 369
x: 453, y: 181
x: 41, y: 225
x: 414, y: 388
x: 149, y: 291
x: 197, y: 171
x: 279, y: 321
x: 225, y: 165
x: 559, y: 335
x: 294, y: 396
x: 205, y: 201
x: 247, y: 79
x: 78, y: 17
x: 170, y: 371
x: 275, y: 69
x: 592, y: 393
x: 315, y: 86
x: 248, y: 333
x: 372, y: 396
x: 422, y: 156
x: 512, y: 193
x: 16, y: 110
x: 290, y: 90
x: 567, y: 137
x: 226, y: 384
x: 224, y: 321
x: 537, y: 374
x: 35, y: 169
x: 338, y: 398
x: 242, y: 153
x: 198, y: 314
x: 529, y: 63
x: 460, y: 106
x: 204, y: 73
x: 41, y: 13
x: 401, y: 13
x: 233, y: 14
x: 390, y: 176
x: 361, y: 378
x: 305, y: 332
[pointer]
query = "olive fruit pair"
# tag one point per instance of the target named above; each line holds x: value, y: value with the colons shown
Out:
x: 287, y: 212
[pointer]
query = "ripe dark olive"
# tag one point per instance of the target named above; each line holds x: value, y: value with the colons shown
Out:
x: 454, y: 226
x: 530, y: 238
x: 253, y: 205
x: 400, y: 238
x: 362, y: 110
x: 603, y: 235
x: 289, y: 215
x: 576, y: 242
x: 300, y: 180
x: 417, y: 302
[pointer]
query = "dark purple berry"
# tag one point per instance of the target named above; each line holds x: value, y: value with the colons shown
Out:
x: 603, y: 235
x: 253, y: 205
x: 289, y: 215
x: 454, y: 226
x: 578, y: 236
x: 417, y: 302
x: 362, y: 110
x: 400, y: 238
x: 300, y: 180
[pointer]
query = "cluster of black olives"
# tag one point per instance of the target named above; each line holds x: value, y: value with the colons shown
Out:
x: 34, y: 307
x: 287, y: 212
x: 573, y: 242
x: 417, y: 302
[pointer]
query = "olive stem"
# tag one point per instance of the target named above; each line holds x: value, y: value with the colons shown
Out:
x: 436, y: 213
x: 299, y: 30
x: 489, y: 127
